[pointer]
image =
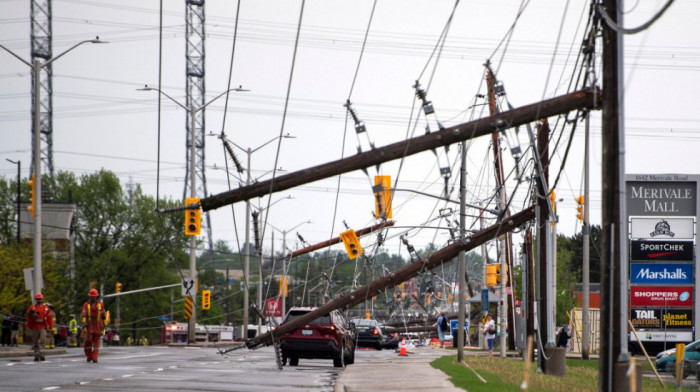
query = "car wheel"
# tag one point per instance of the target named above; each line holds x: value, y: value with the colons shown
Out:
x: 350, y: 356
x: 339, y: 361
x: 379, y: 346
x: 293, y: 361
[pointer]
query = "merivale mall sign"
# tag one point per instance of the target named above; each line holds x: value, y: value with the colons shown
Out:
x: 661, y: 195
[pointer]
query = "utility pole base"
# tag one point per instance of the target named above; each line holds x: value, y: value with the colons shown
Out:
x: 622, y: 380
x: 556, y: 364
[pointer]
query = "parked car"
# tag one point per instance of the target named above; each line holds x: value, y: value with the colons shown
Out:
x: 369, y: 334
x: 666, y: 361
x: 327, y: 337
x: 391, y: 340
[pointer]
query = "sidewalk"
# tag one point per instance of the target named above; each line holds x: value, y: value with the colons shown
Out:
x: 25, y: 350
x: 409, y: 373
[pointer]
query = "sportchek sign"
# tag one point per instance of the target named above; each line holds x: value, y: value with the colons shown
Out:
x: 662, y: 250
x: 661, y: 296
x: 661, y: 273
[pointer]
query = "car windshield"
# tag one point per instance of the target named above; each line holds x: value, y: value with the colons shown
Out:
x: 293, y: 315
x: 366, y: 323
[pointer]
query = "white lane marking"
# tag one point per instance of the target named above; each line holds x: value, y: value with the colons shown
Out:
x: 136, y: 356
x: 10, y: 364
x: 127, y: 375
x: 172, y: 367
x: 84, y: 382
x: 107, y: 379
x: 50, y: 388
x: 158, y: 370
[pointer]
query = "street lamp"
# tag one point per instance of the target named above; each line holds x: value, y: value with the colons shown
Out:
x: 193, y: 191
x: 37, y: 278
x: 284, y: 258
x: 246, y: 272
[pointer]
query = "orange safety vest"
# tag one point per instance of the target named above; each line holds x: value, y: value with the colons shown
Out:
x: 39, y: 317
x: 94, y: 320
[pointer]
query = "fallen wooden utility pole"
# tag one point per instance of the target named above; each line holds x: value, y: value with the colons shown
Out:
x: 583, y: 99
x: 403, y: 274
x: 336, y: 240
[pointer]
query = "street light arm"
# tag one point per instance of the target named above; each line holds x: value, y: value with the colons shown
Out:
x: 219, y: 96
x: 287, y: 136
x: 146, y: 88
x: 16, y: 56
x: 92, y: 41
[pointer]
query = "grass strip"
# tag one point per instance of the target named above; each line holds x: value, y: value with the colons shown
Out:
x: 506, y: 374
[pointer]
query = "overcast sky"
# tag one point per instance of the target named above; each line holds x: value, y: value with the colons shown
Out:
x: 101, y: 120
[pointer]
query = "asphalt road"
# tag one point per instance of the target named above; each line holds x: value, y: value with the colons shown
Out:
x: 171, y: 369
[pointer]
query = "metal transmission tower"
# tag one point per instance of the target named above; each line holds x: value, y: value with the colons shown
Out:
x: 194, y: 22
x: 41, y: 48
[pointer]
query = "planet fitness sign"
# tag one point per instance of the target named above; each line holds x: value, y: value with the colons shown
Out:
x: 661, y: 296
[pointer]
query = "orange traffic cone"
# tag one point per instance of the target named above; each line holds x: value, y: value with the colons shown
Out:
x: 402, y: 348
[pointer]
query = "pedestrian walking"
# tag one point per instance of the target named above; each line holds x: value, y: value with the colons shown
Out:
x: 490, y: 332
x: 39, y: 320
x: 93, y: 323
x: 6, y: 328
x: 52, y: 332
x: 129, y: 340
x: 442, y: 327
x: 563, y: 336
x: 143, y: 341
x: 14, y: 331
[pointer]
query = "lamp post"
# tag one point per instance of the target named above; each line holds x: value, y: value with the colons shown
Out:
x: 19, y: 166
x: 284, y: 258
x: 246, y: 269
x: 193, y: 193
x: 37, y: 278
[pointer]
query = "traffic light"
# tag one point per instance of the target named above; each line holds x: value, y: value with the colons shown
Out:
x: 118, y: 288
x: 206, y: 299
x: 492, y: 275
x: 382, y: 196
x: 352, y: 244
x: 579, y: 209
x: 283, y: 287
x: 32, y: 195
x: 193, y: 217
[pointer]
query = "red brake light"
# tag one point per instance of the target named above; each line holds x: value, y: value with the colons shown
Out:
x: 376, y: 332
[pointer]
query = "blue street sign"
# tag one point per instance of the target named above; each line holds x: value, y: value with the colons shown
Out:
x: 485, y: 300
x: 163, y: 318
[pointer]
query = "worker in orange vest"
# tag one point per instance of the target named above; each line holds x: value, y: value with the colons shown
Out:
x: 93, y: 323
x: 39, y: 320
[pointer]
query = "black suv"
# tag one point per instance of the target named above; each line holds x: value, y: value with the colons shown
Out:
x: 327, y: 337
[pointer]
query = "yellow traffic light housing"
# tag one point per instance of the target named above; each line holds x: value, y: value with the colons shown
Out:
x: 206, y: 299
x: 32, y: 195
x: 382, y: 196
x: 193, y: 217
x: 492, y: 275
x: 352, y: 244
x: 579, y: 209
x: 118, y: 288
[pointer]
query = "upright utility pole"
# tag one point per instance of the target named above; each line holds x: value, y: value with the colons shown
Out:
x: 506, y: 322
x: 543, y: 240
x: 42, y: 85
x: 462, y: 263
x: 195, y: 96
x: 586, y: 302
x: 614, y: 357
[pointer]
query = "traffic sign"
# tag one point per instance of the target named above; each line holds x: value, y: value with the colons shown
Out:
x: 163, y: 318
x: 188, y: 287
x: 485, y: 300
x: 188, y: 308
